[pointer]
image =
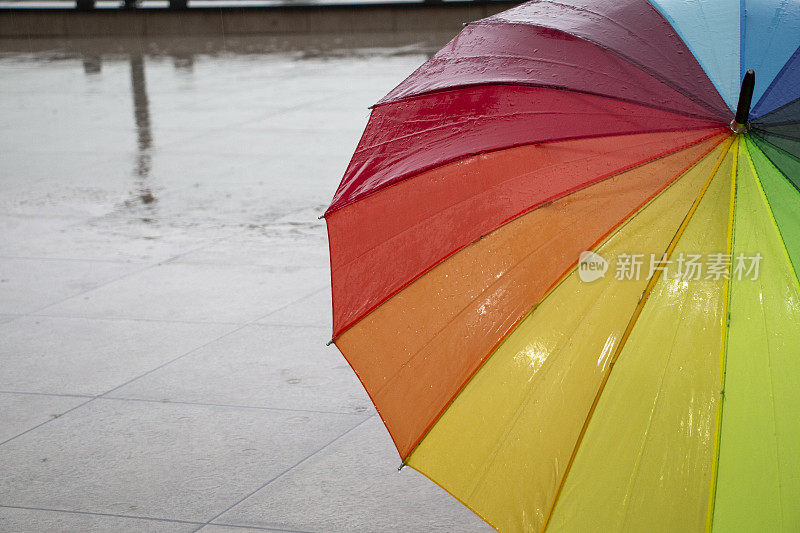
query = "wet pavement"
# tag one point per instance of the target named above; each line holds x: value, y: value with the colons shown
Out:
x: 164, y: 300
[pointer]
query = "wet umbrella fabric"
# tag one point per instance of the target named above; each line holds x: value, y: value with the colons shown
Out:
x: 646, y: 394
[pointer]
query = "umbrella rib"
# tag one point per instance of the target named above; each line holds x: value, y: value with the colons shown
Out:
x: 796, y: 268
x: 634, y: 479
x: 442, y: 62
x: 711, y: 116
x: 785, y: 176
x: 628, y: 59
x: 762, y: 195
x: 774, y: 83
x: 606, y: 18
x: 788, y: 259
x: 762, y: 130
x: 759, y: 125
x: 636, y: 313
x: 469, y: 120
x: 413, y: 174
x: 723, y: 358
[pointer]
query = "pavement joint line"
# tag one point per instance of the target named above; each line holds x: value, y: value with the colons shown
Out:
x: 167, y: 321
x: 273, y: 530
x: 137, y: 271
x: 74, y: 259
x: 233, y: 125
x: 279, y: 325
x: 54, y: 394
x: 159, y: 367
x: 132, y: 319
x: 182, y: 261
x: 16, y: 317
x: 150, y: 518
x: 216, y: 240
x: 307, y: 130
x: 228, y: 405
x: 240, y: 526
x: 283, y: 307
x: 47, y: 421
x: 145, y: 266
x: 290, y: 109
x: 96, y: 513
x: 199, y: 247
x: 104, y: 395
x: 70, y: 218
x: 292, y: 467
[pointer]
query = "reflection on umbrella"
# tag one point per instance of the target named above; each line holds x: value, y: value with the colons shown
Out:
x: 651, y: 384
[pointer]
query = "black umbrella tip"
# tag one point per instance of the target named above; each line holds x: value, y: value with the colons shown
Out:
x: 739, y: 124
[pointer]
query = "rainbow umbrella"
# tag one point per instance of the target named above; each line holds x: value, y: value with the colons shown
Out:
x: 567, y: 274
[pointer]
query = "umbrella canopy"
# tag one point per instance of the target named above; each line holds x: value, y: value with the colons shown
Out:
x: 566, y: 272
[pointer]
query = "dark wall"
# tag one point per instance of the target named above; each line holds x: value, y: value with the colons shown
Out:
x: 68, y: 23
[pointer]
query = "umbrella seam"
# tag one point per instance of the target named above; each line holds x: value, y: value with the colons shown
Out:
x: 777, y: 134
x: 414, y: 173
x: 757, y: 135
x: 795, y: 268
x: 788, y: 259
x: 637, y: 64
x: 467, y: 119
x: 773, y: 84
x: 723, y: 356
x: 638, y: 464
x: 766, y: 206
x: 633, y: 34
x: 760, y: 125
x: 462, y: 502
x: 713, y: 115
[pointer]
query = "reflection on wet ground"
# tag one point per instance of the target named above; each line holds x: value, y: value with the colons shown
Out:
x: 215, y: 133
x: 164, y: 301
x: 141, y: 111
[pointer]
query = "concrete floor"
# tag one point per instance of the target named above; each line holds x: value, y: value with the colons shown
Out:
x: 164, y: 290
